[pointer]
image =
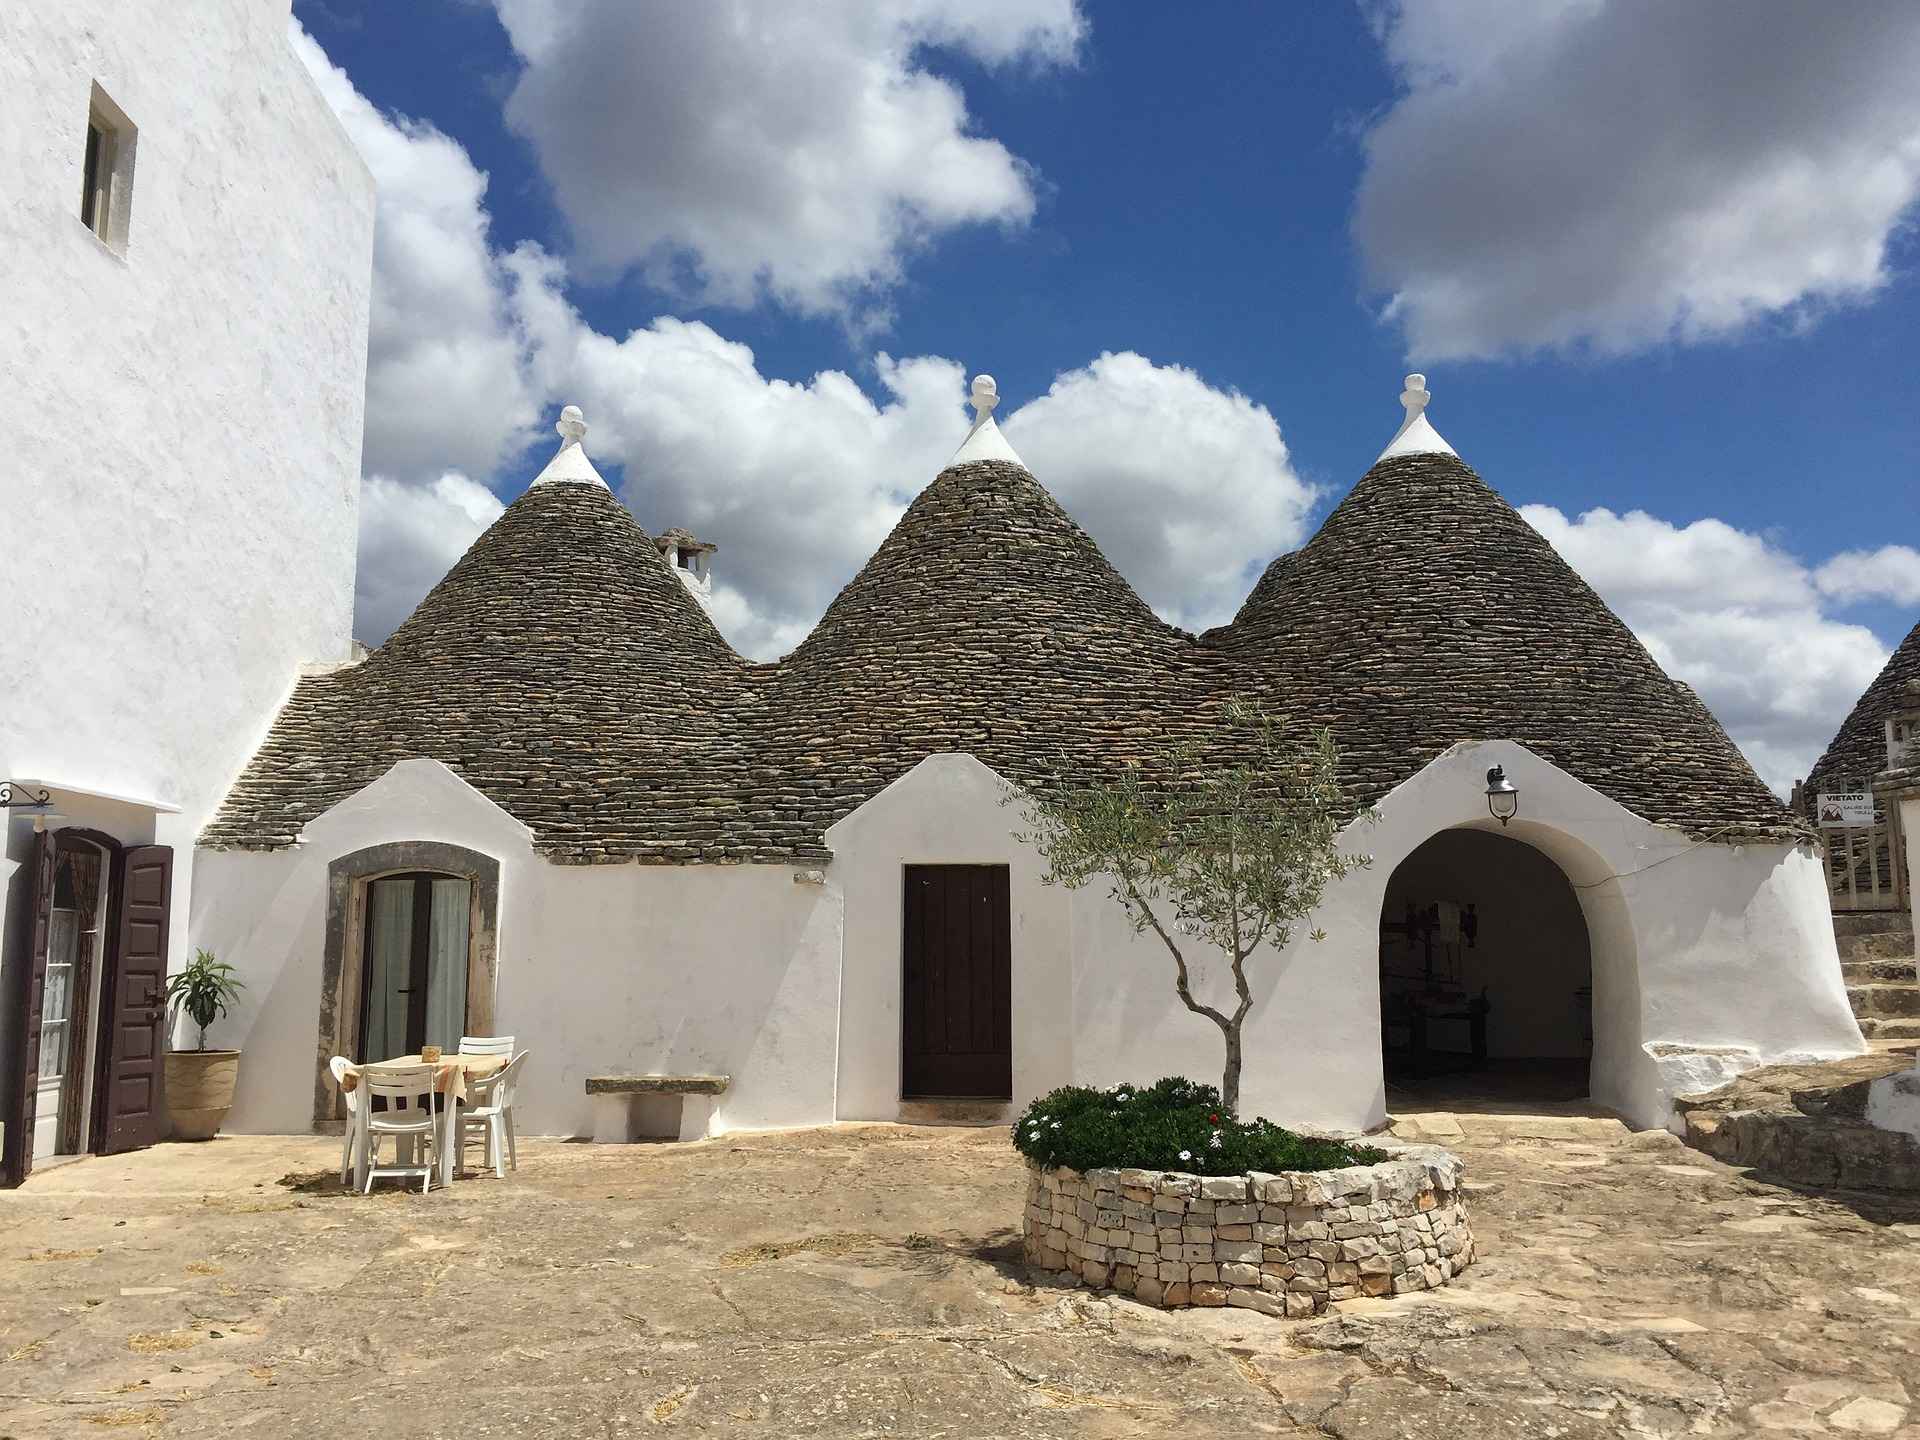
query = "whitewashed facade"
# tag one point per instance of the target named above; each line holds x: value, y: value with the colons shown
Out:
x: 183, y: 360
x: 1668, y: 959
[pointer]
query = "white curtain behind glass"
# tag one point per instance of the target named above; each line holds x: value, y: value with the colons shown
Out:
x: 389, y: 953
x: 447, y: 964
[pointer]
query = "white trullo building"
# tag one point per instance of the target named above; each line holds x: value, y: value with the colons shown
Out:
x: 556, y: 803
x: 188, y: 235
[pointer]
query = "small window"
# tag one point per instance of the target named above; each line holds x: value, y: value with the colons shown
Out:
x: 106, y: 183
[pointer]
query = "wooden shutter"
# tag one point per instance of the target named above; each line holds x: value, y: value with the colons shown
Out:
x: 27, y: 981
x: 136, y: 1003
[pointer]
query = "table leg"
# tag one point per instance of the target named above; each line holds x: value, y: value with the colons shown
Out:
x: 449, y: 1132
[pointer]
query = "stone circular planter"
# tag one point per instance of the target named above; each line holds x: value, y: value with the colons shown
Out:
x: 200, y: 1091
x: 1280, y: 1244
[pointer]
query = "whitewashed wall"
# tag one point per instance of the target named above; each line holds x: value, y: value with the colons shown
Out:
x: 794, y: 988
x: 180, y: 437
x: 602, y: 969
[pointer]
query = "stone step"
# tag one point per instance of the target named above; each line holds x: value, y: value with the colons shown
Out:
x: 1876, y: 945
x: 1907, y: 1046
x: 1885, y: 972
x: 1875, y: 1028
x: 1885, y: 1001
x: 1872, y: 922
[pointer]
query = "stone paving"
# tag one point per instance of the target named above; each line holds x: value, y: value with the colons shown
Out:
x: 865, y: 1281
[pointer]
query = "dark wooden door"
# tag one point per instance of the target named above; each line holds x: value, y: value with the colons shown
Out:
x: 136, y: 1002
x: 27, y: 980
x: 957, y: 1027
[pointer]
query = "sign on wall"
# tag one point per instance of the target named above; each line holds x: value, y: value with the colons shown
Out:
x: 1840, y: 809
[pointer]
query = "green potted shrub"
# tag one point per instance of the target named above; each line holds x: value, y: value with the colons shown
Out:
x: 200, y: 1082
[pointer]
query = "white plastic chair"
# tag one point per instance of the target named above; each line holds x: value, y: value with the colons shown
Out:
x: 489, y: 1111
x: 486, y: 1044
x: 350, y: 1137
x: 410, y: 1116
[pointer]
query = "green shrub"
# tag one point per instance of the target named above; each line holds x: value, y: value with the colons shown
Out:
x: 1173, y: 1124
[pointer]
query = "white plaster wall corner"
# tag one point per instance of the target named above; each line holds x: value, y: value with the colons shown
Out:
x: 1910, y: 831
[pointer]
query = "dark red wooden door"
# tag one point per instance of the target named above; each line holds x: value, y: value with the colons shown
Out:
x: 27, y: 980
x: 957, y: 1030
x: 137, y: 1002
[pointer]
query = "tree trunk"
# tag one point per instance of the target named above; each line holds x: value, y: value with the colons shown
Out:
x: 1230, y: 1078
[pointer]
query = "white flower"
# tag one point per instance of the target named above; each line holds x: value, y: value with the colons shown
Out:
x: 1056, y: 1125
x: 1186, y: 1154
x: 1215, y: 1141
x: 1125, y: 1096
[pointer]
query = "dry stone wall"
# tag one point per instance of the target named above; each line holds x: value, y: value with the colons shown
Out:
x: 1280, y: 1244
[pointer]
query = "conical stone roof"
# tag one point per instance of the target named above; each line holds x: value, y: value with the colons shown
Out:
x: 1859, y: 750
x: 559, y: 668
x: 1426, y: 611
x: 987, y: 622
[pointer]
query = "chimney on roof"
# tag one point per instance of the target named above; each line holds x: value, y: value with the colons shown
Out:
x: 691, y: 560
x: 984, y: 441
x: 570, y: 463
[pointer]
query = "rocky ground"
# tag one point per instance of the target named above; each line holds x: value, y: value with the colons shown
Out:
x: 864, y: 1281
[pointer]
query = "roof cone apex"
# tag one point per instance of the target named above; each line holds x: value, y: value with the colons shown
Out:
x: 1416, y: 435
x: 570, y: 463
x: 984, y: 441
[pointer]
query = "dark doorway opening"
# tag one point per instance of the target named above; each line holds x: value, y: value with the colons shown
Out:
x: 1486, y: 976
x: 957, y: 984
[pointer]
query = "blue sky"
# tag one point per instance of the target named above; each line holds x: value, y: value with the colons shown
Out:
x: 1633, y: 288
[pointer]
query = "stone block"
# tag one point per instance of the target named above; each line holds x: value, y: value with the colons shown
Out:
x: 1150, y: 1290
x: 1343, y: 1272
x: 1233, y: 1232
x: 1278, y: 1190
x: 1197, y: 1234
x: 1094, y: 1272
x: 1375, y: 1265
x: 1201, y: 1209
x: 1311, y: 1268
x: 1209, y: 1294
x: 1268, y: 1234
x: 1246, y: 1251
x: 1195, y: 1254
x: 1224, y: 1187
x: 1169, y: 1234
x: 1178, y: 1293
x: 1359, y: 1248
x: 1342, y: 1292
x: 1256, y: 1300
x: 1173, y: 1271
x: 1325, y: 1251
x: 1199, y: 1273
x: 1179, y: 1185
x: 1124, y: 1278
x: 1376, y: 1284
x: 1169, y: 1205
x: 1235, y: 1214
x: 1308, y: 1229
x: 1299, y: 1307
x: 1233, y: 1274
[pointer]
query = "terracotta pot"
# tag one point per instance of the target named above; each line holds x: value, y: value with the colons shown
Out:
x: 200, y: 1091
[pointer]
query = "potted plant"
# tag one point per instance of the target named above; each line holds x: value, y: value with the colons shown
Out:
x: 200, y: 1082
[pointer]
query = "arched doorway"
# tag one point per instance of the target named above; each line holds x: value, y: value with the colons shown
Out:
x: 1486, y: 974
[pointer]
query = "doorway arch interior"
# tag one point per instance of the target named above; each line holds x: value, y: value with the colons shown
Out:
x: 1486, y: 973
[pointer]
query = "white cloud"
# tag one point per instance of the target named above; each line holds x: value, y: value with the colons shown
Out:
x: 1189, y: 490
x: 736, y: 149
x: 410, y: 535
x: 1890, y: 573
x: 445, y: 377
x: 1734, y: 616
x: 1659, y: 172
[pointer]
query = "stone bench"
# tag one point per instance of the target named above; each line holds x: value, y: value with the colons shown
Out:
x: 653, y: 1107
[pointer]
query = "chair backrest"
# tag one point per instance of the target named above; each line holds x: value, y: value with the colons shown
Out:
x: 486, y: 1044
x: 403, y: 1087
x: 497, y: 1088
x: 340, y: 1065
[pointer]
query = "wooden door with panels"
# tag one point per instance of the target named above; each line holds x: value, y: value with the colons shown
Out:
x: 956, y: 984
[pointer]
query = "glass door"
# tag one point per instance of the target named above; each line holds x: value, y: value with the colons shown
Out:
x: 416, y: 964
x: 56, y: 1024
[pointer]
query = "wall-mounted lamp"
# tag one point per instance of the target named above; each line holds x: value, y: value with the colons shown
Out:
x: 1503, y: 800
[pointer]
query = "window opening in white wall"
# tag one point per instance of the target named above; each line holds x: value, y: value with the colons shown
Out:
x: 107, y: 171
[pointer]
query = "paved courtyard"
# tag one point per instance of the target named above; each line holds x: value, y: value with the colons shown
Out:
x: 864, y: 1281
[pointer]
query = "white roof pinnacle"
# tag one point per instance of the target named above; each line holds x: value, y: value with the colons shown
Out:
x: 570, y: 463
x: 984, y: 441
x: 1416, y: 435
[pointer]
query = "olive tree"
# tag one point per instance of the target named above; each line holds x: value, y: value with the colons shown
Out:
x: 1227, y: 857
